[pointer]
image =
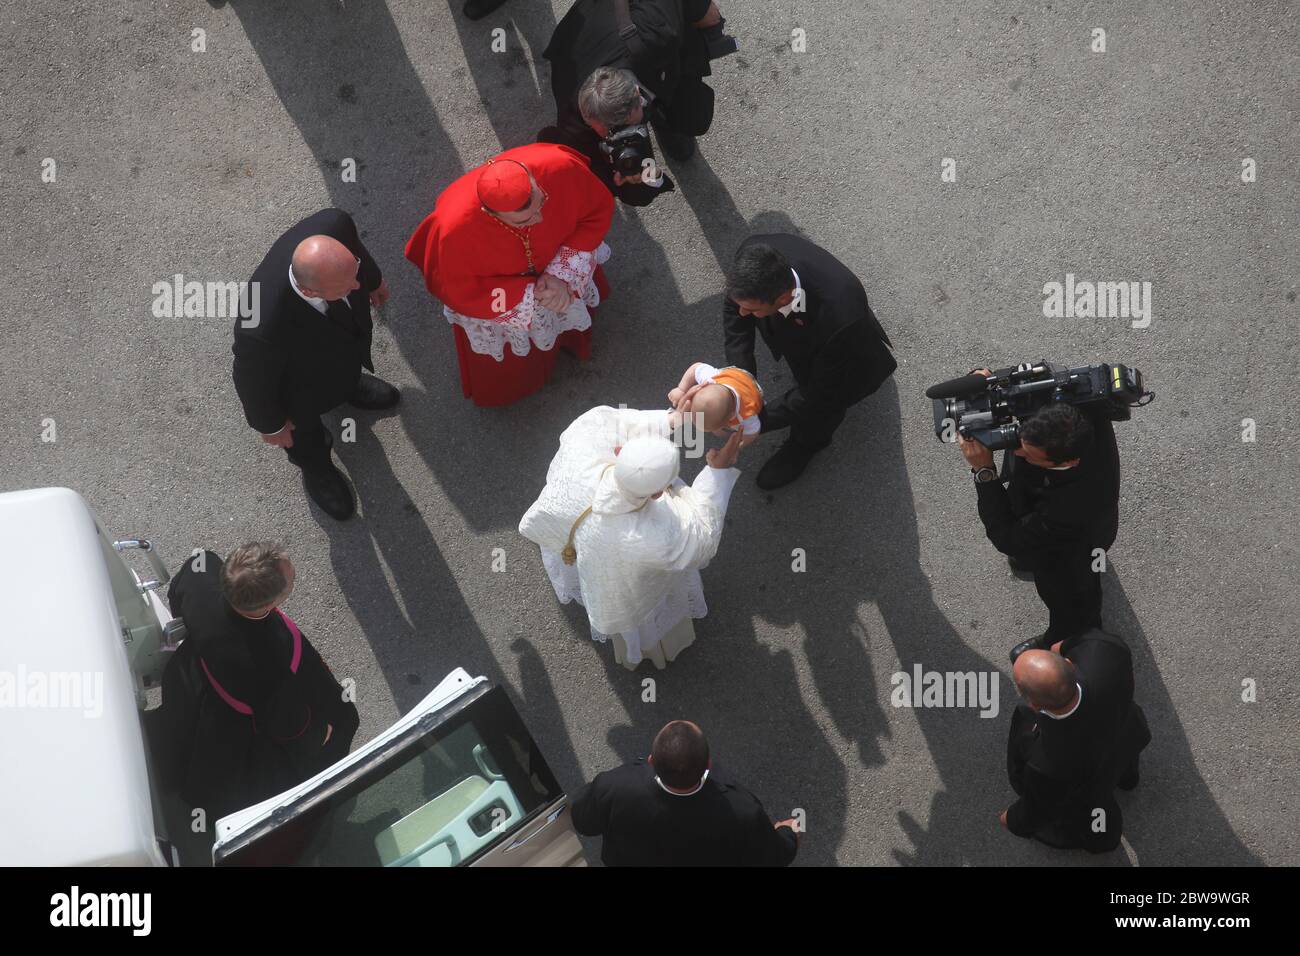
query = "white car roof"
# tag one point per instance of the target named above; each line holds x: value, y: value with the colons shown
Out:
x: 75, y: 782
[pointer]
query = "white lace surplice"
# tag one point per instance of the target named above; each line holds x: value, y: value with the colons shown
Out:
x: 638, y: 571
x: 530, y: 324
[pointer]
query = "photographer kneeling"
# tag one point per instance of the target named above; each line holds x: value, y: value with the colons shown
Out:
x: 1060, y: 504
x: 619, y: 67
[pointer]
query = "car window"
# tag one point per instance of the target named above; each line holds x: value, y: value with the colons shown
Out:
x: 439, y: 798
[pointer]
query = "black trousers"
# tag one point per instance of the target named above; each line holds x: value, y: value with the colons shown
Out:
x: 1071, y: 590
x: 312, y: 442
x: 811, y: 424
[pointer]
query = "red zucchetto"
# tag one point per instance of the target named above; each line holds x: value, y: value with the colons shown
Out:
x: 504, y: 186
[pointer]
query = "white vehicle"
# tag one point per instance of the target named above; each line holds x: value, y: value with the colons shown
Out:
x: 458, y: 781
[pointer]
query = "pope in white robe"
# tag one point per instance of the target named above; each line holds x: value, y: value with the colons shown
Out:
x: 634, y: 534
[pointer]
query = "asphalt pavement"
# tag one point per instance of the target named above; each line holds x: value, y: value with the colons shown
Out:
x: 1169, y: 158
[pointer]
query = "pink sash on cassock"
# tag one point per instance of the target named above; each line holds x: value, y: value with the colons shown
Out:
x: 295, y: 659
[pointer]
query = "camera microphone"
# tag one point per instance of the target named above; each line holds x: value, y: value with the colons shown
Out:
x: 956, y: 387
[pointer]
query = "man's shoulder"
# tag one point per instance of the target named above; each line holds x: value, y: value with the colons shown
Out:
x: 278, y: 305
x: 743, y: 803
x: 1097, y: 649
x: 626, y: 779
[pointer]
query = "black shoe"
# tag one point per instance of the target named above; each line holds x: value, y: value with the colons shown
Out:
x: 1040, y: 643
x: 373, y: 394
x: 785, y: 466
x: 327, y: 487
x: 678, y: 146
x: 478, y: 9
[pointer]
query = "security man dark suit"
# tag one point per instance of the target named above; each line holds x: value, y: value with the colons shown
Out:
x: 1066, y: 768
x: 668, y: 57
x: 642, y: 824
x: 827, y: 335
x: 293, y: 363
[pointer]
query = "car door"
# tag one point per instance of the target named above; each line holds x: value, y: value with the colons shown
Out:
x: 458, y: 781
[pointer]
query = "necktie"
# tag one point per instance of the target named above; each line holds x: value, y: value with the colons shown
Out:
x: 340, y: 313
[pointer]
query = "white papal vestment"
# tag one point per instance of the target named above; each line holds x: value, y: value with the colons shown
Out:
x: 638, y: 559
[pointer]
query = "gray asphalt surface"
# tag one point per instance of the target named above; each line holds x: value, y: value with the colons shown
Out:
x: 1123, y: 165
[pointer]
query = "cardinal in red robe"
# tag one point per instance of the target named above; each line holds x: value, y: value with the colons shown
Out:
x: 513, y: 249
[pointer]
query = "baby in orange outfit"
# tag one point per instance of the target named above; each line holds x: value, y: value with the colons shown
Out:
x: 728, y: 398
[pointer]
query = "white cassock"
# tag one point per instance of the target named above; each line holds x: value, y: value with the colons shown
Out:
x: 638, y: 558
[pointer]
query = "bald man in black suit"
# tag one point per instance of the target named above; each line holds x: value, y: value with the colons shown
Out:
x: 302, y: 353
x: 1077, y: 737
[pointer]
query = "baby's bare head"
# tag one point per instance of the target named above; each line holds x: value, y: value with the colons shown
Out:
x: 716, y: 404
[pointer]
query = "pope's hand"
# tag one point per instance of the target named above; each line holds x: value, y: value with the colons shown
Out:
x: 724, y: 457
x: 283, y: 438
x: 684, y: 402
x: 747, y: 440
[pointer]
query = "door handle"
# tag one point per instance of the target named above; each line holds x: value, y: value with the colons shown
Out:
x: 555, y: 815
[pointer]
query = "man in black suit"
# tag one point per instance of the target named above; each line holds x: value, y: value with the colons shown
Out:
x: 813, y: 312
x: 1060, y: 504
x: 1077, y: 736
x: 302, y: 353
x: 604, y: 79
x: 673, y: 810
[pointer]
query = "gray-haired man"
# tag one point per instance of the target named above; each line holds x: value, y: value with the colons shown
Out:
x: 608, y: 79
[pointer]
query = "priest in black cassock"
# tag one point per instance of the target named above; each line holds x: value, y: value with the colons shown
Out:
x: 674, y: 809
x: 302, y: 351
x: 249, y: 708
x: 655, y: 74
x: 1075, y: 739
x: 812, y: 311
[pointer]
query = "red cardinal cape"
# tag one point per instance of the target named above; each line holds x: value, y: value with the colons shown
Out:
x: 467, y: 255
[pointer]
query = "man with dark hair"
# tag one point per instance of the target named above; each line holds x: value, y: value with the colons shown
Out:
x: 250, y: 709
x: 674, y: 810
x: 812, y: 311
x: 605, y: 78
x: 1058, y: 511
x: 303, y: 353
x: 1076, y: 737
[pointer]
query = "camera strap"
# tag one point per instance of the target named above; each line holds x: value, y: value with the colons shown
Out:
x: 627, y: 30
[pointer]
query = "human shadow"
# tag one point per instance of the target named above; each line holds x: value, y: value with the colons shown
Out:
x: 343, y: 74
x: 1172, y: 818
x: 419, y: 628
x: 515, y: 97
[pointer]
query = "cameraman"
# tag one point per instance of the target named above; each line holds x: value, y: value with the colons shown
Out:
x: 1061, y: 501
x: 605, y: 78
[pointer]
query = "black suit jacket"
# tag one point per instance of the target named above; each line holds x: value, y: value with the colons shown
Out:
x: 642, y: 825
x: 1065, y: 770
x: 835, y: 347
x: 1055, y: 518
x: 587, y: 38
x: 290, y: 360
